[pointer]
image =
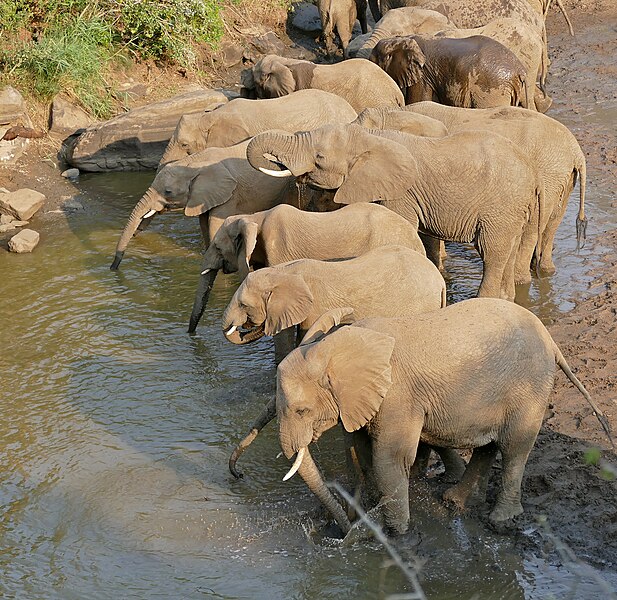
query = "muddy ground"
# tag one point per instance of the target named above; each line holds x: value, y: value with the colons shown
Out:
x: 579, y: 503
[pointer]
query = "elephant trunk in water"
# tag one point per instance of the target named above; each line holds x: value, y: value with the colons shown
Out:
x: 279, y: 154
x: 206, y: 281
x: 151, y: 203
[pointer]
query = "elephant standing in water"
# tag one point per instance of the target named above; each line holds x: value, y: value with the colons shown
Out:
x: 434, y: 377
x: 360, y: 82
x: 241, y: 119
x: 285, y: 233
x: 464, y: 187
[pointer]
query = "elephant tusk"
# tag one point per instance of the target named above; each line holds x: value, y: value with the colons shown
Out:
x: 286, y: 173
x: 204, y: 272
x: 296, y: 464
x: 230, y: 330
x: 149, y: 214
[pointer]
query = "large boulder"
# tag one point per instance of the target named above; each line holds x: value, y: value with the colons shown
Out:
x: 25, y: 241
x: 137, y: 139
x: 66, y: 119
x: 12, y: 105
x: 12, y: 113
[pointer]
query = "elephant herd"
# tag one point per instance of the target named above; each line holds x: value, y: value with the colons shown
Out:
x: 331, y: 197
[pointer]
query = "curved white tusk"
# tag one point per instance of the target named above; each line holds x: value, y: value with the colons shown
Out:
x: 230, y: 330
x: 286, y: 173
x: 296, y: 464
x: 149, y: 214
x: 204, y: 272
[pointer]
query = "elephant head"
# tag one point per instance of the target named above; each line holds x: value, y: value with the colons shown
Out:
x: 197, y: 183
x: 272, y: 77
x: 268, y: 301
x: 360, y: 165
x: 217, y: 128
x: 401, y: 58
x: 343, y: 376
x: 230, y: 250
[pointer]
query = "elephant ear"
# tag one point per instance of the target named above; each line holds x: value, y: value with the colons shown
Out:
x: 226, y: 131
x: 211, y: 187
x: 247, y: 84
x: 327, y: 321
x: 358, y: 371
x: 280, y: 81
x: 246, y: 240
x: 288, y: 304
x: 382, y: 170
x: 407, y: 63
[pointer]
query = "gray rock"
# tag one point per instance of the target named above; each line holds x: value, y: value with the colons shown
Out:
x: 21, y: 204
x: 66, y: 119
x: 137, y: 139
x: 268, y: 43
x: 71, y: 174
x: 357, y: 43
x: 24, y: 241
x: 306, y: 17
x: 72, y: 205
x: 4, y: 227
x: 12, y: 105
x: 230, y: 54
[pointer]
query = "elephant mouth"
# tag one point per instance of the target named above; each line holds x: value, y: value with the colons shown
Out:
x: 245, y: 334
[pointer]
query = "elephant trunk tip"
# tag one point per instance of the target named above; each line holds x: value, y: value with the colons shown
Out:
x: 117, y: 260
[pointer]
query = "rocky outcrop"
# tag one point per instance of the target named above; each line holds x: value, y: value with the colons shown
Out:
x: 21, y: 204
x: 24, y: 241
x: 66, y: 119
x: 137, y: 139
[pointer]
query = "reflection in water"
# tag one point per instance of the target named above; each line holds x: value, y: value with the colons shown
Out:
x: 118, y: 426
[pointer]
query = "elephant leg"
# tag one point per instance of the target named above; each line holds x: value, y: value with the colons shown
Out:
x: 360, y: 460
x: 204, y: 225
x: 343, y: 29
x: 542, y: 100
x: 547, y: 266
x: 266, y: 415
x: 453, y: 464
x: 375, y: 11
x: 432, y: 246
x: 474, y: 482
x: 284, y: 343
x: 361, y: 11
x: 420, y: 465
x: 495, y: 252
x: 525, y: 253
x: 508, y: 284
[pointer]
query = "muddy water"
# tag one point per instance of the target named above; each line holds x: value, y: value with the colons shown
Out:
x: 118, y: 425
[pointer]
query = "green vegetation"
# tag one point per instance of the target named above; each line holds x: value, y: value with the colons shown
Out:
x: 51, y: 45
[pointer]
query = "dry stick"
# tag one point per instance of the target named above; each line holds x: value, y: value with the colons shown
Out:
x: 410, y: 573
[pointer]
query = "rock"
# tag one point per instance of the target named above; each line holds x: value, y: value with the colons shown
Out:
x: 230, y: 54
x: 71, y: 174
x: 357, y: 43
x: 268, y: 43
x: 12, y: 105
x: 4, y: 191
x: 137, y: 139
x: 4, y: 227
x: 306, y: 17
x: 21, y: 204
x: 73, y: 205
x: 4, y: 219
x: 24, y: 241
x: 66, y: 119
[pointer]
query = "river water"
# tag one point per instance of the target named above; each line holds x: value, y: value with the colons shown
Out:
x: 117, y: 426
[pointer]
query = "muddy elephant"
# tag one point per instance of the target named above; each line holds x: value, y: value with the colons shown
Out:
x: 285, y: 233
x: 434, y: 377
x: 340, y: 16
x: 288, y: 299
x: 472, y: 72
x: 548, y: 144
x: 212, y: 184
x: 467, y: 187
x: 361, y: 83
x: 240, y: 119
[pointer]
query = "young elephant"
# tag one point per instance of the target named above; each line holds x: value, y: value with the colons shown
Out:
x: 472, y: 72
x: 360, y: 82
x: 467, y: 187
x: 435, y: 377
x: 386, y: 281
x: 240, y: 119
x: 285, y: 233
x: 340, y: 15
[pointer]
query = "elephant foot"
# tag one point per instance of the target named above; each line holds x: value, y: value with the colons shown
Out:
x: 457, y: 496
x: 547, y: 267
x: 504, y: 512
x: 522, y: 277
x: 543, y: 103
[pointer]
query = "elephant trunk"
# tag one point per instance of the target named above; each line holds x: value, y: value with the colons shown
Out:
x: 206, y: 281
x: 151, y: 203
x: 280, y: 154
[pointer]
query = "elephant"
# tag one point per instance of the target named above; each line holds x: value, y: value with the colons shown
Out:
x: 467, y: 187
x: 434, y: 377
x: 386, y: 281
x: 548, y: 144
x: 240, y: 119
x: 340, y: 15
x: 285, y: 233
x: 401, y: 120
x: 361, y: 83
x: 471, y: 72
x: 212, y: 184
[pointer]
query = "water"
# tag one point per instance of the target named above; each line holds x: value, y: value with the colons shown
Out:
x: 118, y: 426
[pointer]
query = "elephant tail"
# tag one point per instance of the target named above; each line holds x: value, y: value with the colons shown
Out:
x: 540, y: 197
x: 563, y: 365
x: 444, y: 300
x: 581, y: 220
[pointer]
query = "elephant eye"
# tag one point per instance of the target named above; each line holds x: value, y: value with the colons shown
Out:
x: 302, y: 411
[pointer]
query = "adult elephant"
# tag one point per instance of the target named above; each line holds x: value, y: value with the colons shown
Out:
x: 241, y: 119
x: 286, y: 233
x: 434, y: 377
x: 548, y: 144
x: 361, y: 83
x: 401, y: 120
x: 212, y: 184
x: 473, y: 72
x: 467, y: 187
x: 286, y: 300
